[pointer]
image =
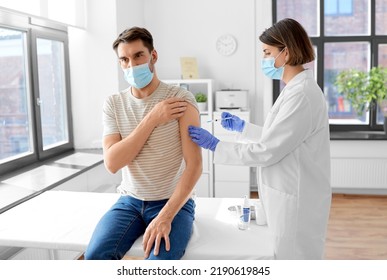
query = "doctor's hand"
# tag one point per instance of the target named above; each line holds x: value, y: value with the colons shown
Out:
x: 168, y: 109
x: 203, y: 138
x: 232, y: 122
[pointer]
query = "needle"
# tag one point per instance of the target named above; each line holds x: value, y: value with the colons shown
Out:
x: 216, y: 120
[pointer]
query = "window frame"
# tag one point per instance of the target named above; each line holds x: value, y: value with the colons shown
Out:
x: 45, y: 29
x: 374, y: 41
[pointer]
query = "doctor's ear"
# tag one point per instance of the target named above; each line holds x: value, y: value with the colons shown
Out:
x: 287, y: 54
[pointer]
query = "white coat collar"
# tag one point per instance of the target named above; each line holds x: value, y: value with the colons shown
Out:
x: 306, y: 74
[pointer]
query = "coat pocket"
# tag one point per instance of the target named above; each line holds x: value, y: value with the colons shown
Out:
x: 281, y: 211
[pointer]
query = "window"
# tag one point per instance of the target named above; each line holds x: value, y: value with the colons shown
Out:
x: 346, y: 34
x: 338, y: 7
x: 35, y: 108
x: 70, y: 12
x: 52, y: 88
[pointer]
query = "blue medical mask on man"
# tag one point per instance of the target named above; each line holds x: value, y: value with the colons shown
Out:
x: 268, y: 68
x: 138, y: 76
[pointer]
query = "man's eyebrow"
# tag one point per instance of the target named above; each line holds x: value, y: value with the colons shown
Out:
x: 138, y: 53
x: 135, y: 54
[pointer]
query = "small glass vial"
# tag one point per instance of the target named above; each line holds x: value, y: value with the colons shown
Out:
x: 244, y: 218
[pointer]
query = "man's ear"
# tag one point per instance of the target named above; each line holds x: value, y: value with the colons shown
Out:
x: 154, y: 56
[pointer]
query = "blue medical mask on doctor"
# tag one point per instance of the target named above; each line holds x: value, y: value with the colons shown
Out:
x: 268, y: 68
x: 138, y: 76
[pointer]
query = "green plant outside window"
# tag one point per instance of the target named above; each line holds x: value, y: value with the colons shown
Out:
x: 363, y: 88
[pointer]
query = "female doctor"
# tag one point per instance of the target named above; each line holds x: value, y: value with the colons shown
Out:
x: 291, y: 150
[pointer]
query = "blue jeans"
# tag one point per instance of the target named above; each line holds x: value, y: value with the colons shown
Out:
x: 127, y: 220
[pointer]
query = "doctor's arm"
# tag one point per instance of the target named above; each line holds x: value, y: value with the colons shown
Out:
x: 120, y: 152
x: 160, y: 227
x: 247, y: 131
x: 289, y: 129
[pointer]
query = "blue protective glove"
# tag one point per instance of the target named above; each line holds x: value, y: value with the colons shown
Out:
x: 232, y: 122
x: 203, y: 138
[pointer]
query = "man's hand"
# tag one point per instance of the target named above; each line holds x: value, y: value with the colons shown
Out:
x: 159, y: 228
x: 169, y: 109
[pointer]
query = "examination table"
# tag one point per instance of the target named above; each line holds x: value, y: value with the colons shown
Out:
x: 63, y: 220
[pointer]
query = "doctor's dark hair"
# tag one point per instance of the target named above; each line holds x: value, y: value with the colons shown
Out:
x: 288, y: 33
x: 133, y: 34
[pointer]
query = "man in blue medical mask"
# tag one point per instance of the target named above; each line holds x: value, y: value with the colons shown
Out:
x: 145, y: 136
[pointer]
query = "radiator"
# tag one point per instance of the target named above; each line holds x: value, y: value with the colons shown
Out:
x: 366, y: 174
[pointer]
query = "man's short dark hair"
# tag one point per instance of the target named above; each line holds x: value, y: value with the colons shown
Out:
x: 133, y: 34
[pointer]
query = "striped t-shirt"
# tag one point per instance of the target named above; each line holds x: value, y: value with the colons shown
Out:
x: 156, y: 170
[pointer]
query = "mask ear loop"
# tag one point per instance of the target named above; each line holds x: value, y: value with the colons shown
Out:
x: 278, y: 56
x: 279, y: 53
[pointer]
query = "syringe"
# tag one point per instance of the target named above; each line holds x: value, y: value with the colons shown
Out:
x: 216, y: 120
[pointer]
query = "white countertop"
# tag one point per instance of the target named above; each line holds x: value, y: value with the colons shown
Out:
x: 65, y: 220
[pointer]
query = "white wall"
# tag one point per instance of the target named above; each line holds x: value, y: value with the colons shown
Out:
x: 180, y: 28
x: 264, y: 86
x: 190, y: 28
x: 129, y: 13
x: 93, y: 71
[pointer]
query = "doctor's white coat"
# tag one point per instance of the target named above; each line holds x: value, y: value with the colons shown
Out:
x: 292, y: 153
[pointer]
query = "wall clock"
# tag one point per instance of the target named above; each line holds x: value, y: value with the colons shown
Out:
x: 226, y: 45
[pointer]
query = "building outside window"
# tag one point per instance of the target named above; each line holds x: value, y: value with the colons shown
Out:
x: 338, y: 7
x: 16, y: 138
x: 346, y: 34
x: 35, y: 112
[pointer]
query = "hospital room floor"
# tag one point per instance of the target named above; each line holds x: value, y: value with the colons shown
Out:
x: 357, y: 228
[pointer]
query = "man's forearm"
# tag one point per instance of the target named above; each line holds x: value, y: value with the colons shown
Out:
x: 183, y: 191
x: 123, y: 152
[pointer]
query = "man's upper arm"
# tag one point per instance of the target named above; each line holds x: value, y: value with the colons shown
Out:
x: 191, y: 151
